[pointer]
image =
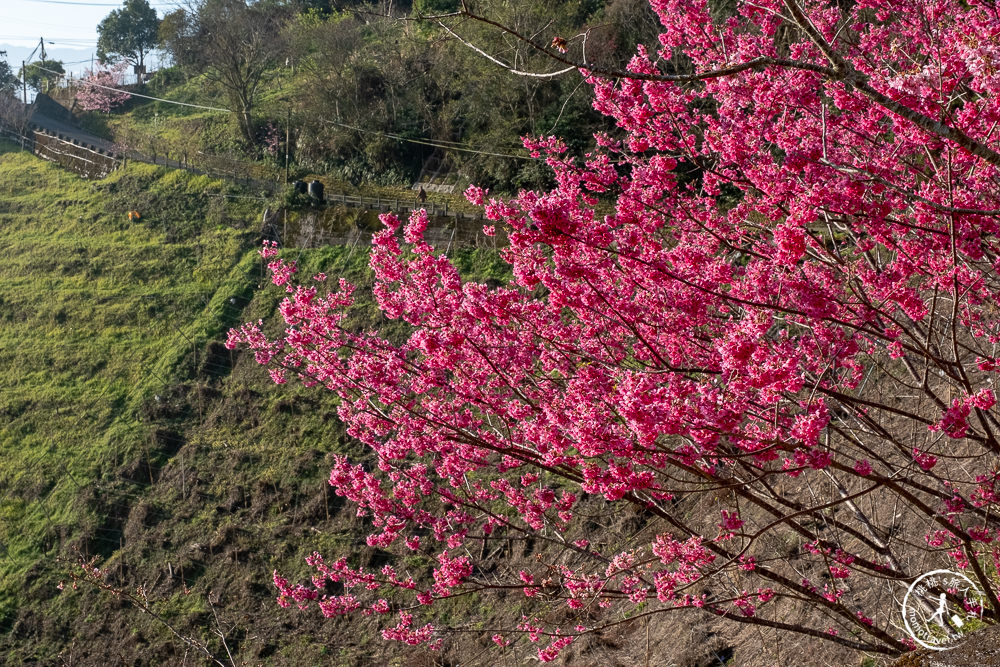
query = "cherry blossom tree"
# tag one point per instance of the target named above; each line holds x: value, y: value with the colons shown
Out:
x: 782, y: 365
x: 101, y: 90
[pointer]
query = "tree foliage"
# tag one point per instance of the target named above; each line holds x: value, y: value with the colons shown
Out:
x: 236, y: 46
x: 392, y: 79
x: 42, y: 74
x: 8, y: 82
x: 128, y: 33
x: 179, y: 36
x: 796, y: 347
x: 372, y: 95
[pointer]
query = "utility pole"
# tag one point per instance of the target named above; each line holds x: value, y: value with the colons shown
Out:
x: 24, y: 112
x: 288, y: 122
x: 288, y: 135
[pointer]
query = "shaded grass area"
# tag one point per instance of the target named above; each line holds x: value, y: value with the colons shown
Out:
x: 129, y: 434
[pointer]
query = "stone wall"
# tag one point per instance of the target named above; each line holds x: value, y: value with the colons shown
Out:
x: 87, y: 160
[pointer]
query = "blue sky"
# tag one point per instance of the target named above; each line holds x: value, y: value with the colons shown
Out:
x: 71, y: 26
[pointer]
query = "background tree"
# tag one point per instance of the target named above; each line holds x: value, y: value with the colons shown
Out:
x: 8, y: 82
x: 178, y: 37
x: 796, y: 347
x: 379, y: 88
x: 392, y: 79
x: 365, y: 74
x: 42, y: 74
x: 128, y: 33
x: 13, y: 113
x: 237, y: 46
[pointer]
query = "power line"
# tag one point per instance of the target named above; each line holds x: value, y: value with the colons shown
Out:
x: 95, y: 4
x: 12, y: 20
x: 453, y: 147
x: 145, y: 97
x: 57, y: 41
x: 442, y: 145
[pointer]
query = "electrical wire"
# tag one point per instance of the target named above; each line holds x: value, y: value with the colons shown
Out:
x: 145, y: 97
x: 432, y: 143
x: 76, y: 3
x: 441, y: 145
x: 80, y: 45
x: 11, y: 20
x: 57, y: 41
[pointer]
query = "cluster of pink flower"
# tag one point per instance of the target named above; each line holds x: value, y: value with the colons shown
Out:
x: 101, y: 89
x: 750, y: 333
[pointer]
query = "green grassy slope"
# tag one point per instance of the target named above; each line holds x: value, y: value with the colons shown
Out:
x: 97, y: 312
x: 130, y: 434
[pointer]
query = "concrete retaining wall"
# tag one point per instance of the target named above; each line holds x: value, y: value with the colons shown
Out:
x: 87, y: 160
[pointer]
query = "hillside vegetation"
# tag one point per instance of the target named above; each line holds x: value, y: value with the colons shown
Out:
x: 131, y: 436
x: 373, y: 95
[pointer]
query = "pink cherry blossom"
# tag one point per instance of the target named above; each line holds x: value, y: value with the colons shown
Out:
x: 763, y: 304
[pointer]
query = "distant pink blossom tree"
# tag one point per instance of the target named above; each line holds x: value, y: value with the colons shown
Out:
x: 270, y: 139
x: 761, y: 317
x: 101, y: 90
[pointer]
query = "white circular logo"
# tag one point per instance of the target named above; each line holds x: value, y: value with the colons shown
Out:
x: 938, y: 606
